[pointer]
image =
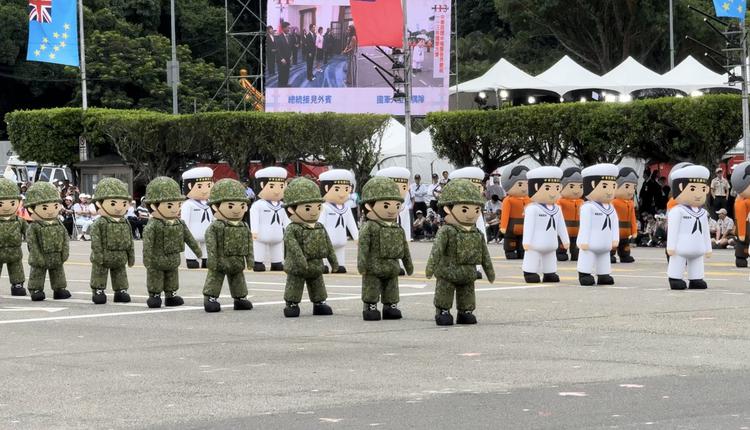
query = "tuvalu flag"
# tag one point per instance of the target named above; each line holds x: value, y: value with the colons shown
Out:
x: 731, y: 8
x: 53, y: 32
x: 378, y: 22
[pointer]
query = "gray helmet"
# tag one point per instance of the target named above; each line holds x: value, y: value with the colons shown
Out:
x: 513, y: 174
x: 741, y: 177
x: 571, y: 175
x: 627, y: 175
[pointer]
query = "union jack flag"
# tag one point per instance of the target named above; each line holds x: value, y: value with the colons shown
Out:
x: 40, y: 10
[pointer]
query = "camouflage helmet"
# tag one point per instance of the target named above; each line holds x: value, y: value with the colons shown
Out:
x: 9, y: 190
x: 381, y: 188
x: 301, y: 191
x: 227, y: 190
x: 163, y: 189
x: 111, y: 188
x: 460, y: 191
x: 42, y: 192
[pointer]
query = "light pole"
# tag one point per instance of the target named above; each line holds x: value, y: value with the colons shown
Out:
x: 671, y: 34
x: 407, y: 88
x: 174, y: 66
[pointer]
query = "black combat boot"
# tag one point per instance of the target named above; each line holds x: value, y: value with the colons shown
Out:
x: 479, y: 274
x: 211, y: 304
x: 740, y: 262
x: 465, y: 317
x: 677, y: 284
x: 341, y: 269
x: 325, y: 269
x: 612, y: 259
x: 17, y: 290
x: 291, y: 310
x: 550, y: 277
x: 531, y: 278
x: 605, y: 280
x: 259, y: 267
x: 242, y: 304
x: 37, y: 295
x: 370, y: 312
x: 171, y: 299
x: 586, y: 279
x: 61, y: 294
x: 277, y: 267
x: 443, y: 317
x: 322, y: 308
x: 98, y: 297
x: 192, y: 264
x: 697, y: 284
x: 122, y: 296
x: 401, y: 272
x: 153, y: 301
x: 561, y: 256
x: 511, y: 255
x: 627, y: 258
x: 391, y: 311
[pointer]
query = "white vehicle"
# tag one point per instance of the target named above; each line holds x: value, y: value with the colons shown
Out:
x: 22, y: 171
x: 53, y: 174
x: 16, y: 170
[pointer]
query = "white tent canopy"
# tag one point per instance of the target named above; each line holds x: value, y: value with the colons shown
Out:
x: 424, y: 160
x: 503, y: 75
x: 567, y: 75
x: 690, y: 75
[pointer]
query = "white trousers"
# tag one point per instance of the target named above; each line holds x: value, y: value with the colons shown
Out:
x: 268, y: 251
x: 677, y: 265
x: 190, y: 255
x: 534, y: 260
x: 591, y: 263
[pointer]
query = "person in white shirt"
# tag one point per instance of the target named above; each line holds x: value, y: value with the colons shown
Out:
x: 420, y: 195
x: 431, y: 199
x: 599, y: 228
x: 195, y: 212
x: 268, y: 219
x: 688, y: 239
x: 85, y: 215
x: 724, y: 230
x: 336, y: 214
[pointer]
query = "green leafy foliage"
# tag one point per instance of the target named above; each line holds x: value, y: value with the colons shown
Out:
x: 46, y: 136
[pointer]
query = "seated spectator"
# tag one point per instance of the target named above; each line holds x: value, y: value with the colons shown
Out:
x: 422, y: 228
x: 657, y: 230
x: 724, y: 235
x: 141, y: 219
x: 85, y: 213
x: 492, y: 218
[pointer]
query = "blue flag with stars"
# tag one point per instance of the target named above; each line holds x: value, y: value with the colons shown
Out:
x: 731, y: 8
x: 53, y: 32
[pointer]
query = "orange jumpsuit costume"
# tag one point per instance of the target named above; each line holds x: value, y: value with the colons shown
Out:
x: 628, y: 228
x: 511, y: 219
x: 571, y: 209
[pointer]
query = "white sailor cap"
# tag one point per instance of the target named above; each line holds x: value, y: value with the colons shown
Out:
x: 696, y: 174
x: 545, y: 173
x: 337, y: 176
x: 606, y: 171
x: 278, y: 174
x: 199, y: 174
x: 473, y: 174
x: 398, y: 174
x: 677, y: 167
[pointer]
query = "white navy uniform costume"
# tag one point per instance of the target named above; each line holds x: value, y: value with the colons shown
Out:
x: 338, y: 219
x: 599, y: 226
x: 400, y: 175
x: 197, y: 214
x: 542, y: 226
x: 687, y: 231
x: 476, y: 176
x: 268, y: 220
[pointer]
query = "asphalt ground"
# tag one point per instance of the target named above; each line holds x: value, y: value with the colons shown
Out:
x: 633, y: 355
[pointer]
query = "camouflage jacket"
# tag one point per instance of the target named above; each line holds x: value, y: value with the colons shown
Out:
x: 229, y: 246
x: 48, y: 243
x: 163, y: 241
x: 456, y: 253
x: 305, y: 247
x: 381, y: 246
x: 12, y: 231
x: 111, y: 243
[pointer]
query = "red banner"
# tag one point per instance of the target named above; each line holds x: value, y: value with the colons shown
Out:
x: 378, y: 22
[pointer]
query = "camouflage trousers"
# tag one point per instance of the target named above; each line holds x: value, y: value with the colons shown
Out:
x: 118, y: 275
x: 15, y: 272
x: 56, y: 278
x: 375, y: 289
x: 465, y: 298
x: 215, y: 280
x: 159, y: 281
x: 316, y: 288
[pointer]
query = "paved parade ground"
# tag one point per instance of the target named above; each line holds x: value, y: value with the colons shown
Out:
x: 634, y: 355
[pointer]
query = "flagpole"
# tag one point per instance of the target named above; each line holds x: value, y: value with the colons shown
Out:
x: 407, y: 88
x: 82, y: 44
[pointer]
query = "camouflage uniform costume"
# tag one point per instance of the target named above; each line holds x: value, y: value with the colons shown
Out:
x: 305, y: 247
x: 381, y: 246
x: 12, y: 231
x: 455, y: 255
x: 111, y: 245
x: 48, y: 245
x: 230, y: 249
x: 163, y: 241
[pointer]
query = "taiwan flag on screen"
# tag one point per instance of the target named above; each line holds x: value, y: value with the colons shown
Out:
x: 378, y: 22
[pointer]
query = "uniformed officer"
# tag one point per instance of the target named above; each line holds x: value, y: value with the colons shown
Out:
x: 268, y: 219
x: 688, y: 238
x: 306, y: 244
x: 459, y: 247
x: 598, y: 234
x: 336, y: 186
x: 543, y: 225
x: 511, y: 219
x: 741, y: 185
x: 476, y: 176
x: 570, y: 203
x: 111, y: 241
x: 624, y: 203
x: 197, y: 215
x: 12, y: 231
x: 382, y: 245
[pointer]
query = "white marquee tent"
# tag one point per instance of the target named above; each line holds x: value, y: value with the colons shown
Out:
x: 424, y: 160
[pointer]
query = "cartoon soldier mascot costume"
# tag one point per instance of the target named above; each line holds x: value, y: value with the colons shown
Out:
x: 741, y: 185
x: 570, y: 202
x: 598, y: 234
x: 229, y: 244
x: 111, y: 241
x: 47, y: 240
x: 382, y: 245
x: 306, y: 244
x: 268, y: 219
x: 511, y: 219
x: 543, y: 225
x: 164, y: 238
x: 196, y: 184
x: 459, y: 247
x: 336, y: 186
x: 400, y: 176
x: 476, y: 176
x: 624, y: 204
x: 688, y: 238
x: 12, y: 230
